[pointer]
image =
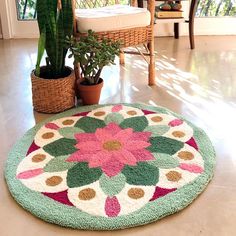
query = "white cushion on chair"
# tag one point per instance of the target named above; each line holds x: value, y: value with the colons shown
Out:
x: 109, y: 18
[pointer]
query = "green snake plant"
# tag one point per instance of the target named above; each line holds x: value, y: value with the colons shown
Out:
x: 55, y: 22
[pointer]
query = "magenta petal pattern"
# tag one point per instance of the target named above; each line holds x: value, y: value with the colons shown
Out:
x: 111, y: 148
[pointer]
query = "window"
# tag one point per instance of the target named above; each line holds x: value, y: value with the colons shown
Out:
x: 26, y: 8
x: 216, y: 8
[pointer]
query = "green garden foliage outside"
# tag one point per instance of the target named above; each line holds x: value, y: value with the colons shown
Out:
x: 206, y: 8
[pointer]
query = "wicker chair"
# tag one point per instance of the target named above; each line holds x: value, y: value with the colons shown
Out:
x: 130, y: 37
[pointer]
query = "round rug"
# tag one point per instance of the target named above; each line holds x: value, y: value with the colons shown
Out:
x: 109, y: 167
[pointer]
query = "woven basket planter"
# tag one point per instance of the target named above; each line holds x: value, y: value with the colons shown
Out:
x: 53, y: 95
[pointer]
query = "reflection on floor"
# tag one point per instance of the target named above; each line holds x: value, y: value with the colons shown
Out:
x: 199, y: 84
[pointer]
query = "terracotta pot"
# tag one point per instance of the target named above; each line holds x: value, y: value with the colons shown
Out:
x: 53, y: 95
x: 90, y: 94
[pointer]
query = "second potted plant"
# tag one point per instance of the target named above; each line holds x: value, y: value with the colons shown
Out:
x: 92, y: 55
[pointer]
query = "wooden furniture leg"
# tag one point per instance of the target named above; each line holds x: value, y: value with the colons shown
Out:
x: 150, y: 46
x: 192, y: 12
x: 191, y: 34
x: 140, y: 3
x: 122, y: 57
x: 151, y: 65
x: 176, y: 27
x: 176, y: 30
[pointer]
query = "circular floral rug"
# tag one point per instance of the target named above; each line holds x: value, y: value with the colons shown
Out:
x: 110, y: 166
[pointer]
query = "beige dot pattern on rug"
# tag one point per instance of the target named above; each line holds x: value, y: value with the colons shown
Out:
x: 173, y: 176
x: 136, y: 193
x: 48, y: 135
x: 53, y: 181
x: 131, y: 113
x: 99, y: 113
x: 185, y: 155
x: 156, y: 119
x: 87, y: 194
x: 38, y: 158
x: 178, y: 134
x: 68, y: 122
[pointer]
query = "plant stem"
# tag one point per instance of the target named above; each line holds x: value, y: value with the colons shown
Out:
x: 83, y: 70
x: 97, y: 76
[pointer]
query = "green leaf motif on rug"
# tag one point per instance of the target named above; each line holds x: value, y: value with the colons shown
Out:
x: 61, y: 147
x: 157, y: 130
x: 69, y: 132
x: 141, y: 174
x: 112, y: 185
x: 81, y: 175
x: 164, y: 161
x: 114, y: 117
x: 136, y: 123
x: 164, y: 145
x: 89, y: 124
x: 58, y: 164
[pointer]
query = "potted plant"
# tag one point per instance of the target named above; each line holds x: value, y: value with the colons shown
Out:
x: 53, y: 84
x: 92, y: 55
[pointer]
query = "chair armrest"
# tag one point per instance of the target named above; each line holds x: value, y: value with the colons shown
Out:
x: 151, y: 8
x: 74, y: 17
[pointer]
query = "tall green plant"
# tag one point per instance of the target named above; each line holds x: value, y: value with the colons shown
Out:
x: 54, y: 26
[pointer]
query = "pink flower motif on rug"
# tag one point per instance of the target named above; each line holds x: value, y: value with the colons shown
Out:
x: 111, y: 148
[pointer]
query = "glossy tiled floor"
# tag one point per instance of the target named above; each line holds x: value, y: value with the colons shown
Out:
x: 200, y: 84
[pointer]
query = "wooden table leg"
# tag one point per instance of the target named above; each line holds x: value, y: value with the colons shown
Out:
x: 176, y: 30
x: 140, y: 3
x: 176, y: 27
x: 191, y: 34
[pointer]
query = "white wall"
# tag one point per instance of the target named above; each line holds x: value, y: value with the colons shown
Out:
x: 5, y: 19
x: 202, y: 26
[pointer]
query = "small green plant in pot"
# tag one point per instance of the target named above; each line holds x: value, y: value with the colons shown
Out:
x: 53, y: 85
x: 92, y: 55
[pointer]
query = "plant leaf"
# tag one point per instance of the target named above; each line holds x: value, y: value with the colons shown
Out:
x: 166, y: 145
x: 89, y: 124
x: 141, y: 174
x: 112, y: 185
x: 69, y: 132
x: 81, y: 175
x: 61, y: 147
x: 41, y: 48
x: 58, y: 164
x: 137, y: 123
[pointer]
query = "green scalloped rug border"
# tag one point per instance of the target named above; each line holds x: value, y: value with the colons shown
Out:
x: 50, y: 211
